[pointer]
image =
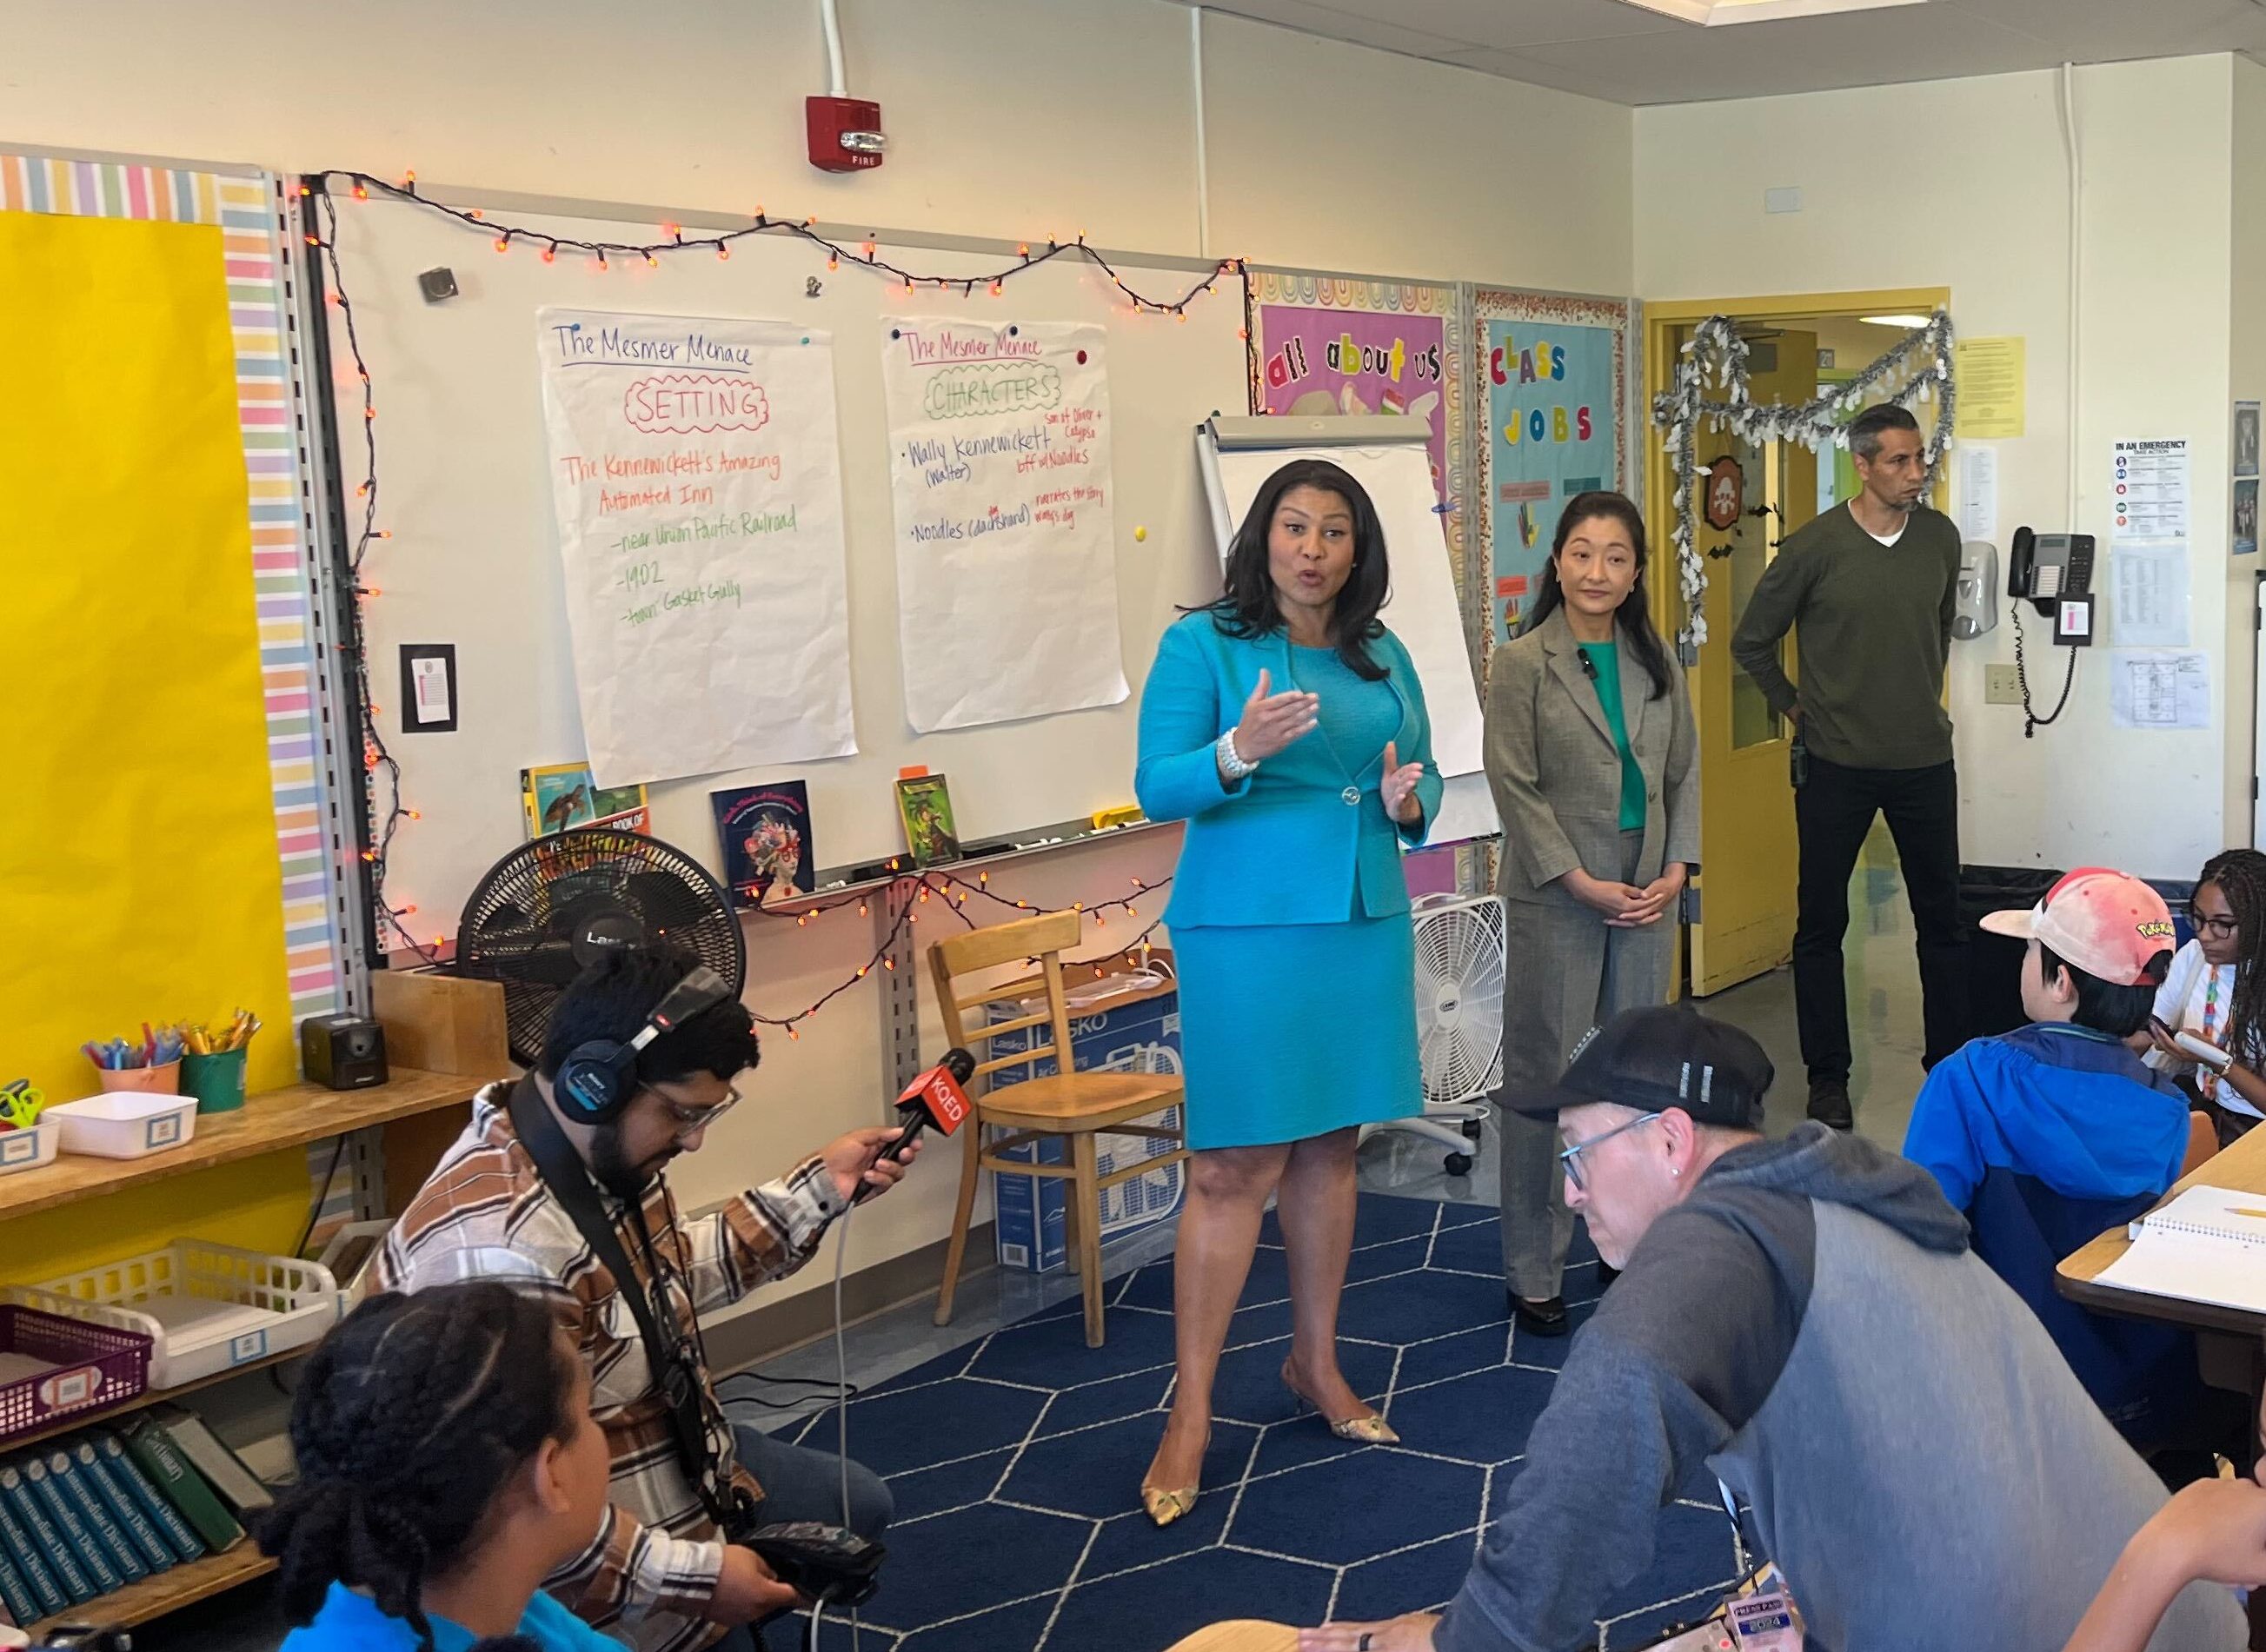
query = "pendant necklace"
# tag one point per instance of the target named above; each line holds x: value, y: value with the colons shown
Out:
x: 1351, y: 795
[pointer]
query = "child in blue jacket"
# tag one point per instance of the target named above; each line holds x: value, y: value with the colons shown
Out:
x: 2063, y: 1100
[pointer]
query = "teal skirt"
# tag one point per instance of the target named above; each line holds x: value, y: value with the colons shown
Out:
x: 1294, y: 1030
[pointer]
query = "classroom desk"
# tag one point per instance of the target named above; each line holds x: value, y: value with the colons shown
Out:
x: 2241, y: 1167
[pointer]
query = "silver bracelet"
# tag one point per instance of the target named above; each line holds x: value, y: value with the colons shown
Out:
x: 1231, y: 761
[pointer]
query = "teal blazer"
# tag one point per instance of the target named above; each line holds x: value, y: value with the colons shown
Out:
x: 1281, y: 845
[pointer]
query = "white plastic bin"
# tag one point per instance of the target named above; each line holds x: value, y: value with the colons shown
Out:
x: 125, y: 1124
x: 204, y: 1307
x: 28, y: 1150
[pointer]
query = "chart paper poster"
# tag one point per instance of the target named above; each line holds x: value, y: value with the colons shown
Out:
x: 1992, y: 381
x: 2152, y: 488
x: 1329, y: 344
x: 999, y: 463
x: 698, y: 489
x: 1551, y: 378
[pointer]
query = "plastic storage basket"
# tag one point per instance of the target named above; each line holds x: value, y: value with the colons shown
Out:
x: 52, y: 1364
x: 204, y: 1307
x: 29, y: 1149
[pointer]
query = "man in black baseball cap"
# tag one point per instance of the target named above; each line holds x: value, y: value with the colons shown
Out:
x: 1801, y: 1322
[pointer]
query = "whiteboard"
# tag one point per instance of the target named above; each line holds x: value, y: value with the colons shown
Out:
x: 1422, y: 608
x: 474, y: 558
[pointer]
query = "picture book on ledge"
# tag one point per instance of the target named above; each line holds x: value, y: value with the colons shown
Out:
x: 560, y: 795
x: 766, y: 834
x: 924, y: 806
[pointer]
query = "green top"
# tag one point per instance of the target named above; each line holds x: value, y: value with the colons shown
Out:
x: 1874, y: 622
x: 1606, y: 658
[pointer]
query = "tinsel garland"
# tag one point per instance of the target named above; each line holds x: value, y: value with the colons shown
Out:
x: 1716, y: 347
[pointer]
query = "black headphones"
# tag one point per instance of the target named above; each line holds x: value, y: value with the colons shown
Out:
x: 597, y: 1081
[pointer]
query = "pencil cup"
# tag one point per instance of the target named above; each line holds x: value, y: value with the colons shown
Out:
x: 217, y: 1081
x: 165, y: 1080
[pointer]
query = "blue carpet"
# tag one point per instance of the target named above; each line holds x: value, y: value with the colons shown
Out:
x: 1015, y: 1462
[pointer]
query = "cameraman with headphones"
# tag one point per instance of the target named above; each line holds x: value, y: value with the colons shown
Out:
x: 557, y: 1184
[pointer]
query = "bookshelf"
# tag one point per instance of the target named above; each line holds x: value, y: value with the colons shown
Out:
x: 184, y: 1585
x: 444, y: 1039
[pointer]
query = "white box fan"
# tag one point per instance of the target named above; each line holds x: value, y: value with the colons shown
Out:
x: 1459, y: 974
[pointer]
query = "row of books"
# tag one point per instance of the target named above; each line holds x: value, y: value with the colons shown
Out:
x: 764, y: 831
x: 86, y: 1515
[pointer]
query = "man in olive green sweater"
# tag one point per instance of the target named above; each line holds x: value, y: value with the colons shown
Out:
x: 1869, y: 589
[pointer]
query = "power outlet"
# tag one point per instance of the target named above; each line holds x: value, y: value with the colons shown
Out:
x: 2001, y: 686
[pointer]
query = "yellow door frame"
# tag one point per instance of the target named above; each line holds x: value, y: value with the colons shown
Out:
x: 1662, y: 318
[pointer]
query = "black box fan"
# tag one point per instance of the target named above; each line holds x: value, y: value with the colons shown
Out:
x: 550, y: 907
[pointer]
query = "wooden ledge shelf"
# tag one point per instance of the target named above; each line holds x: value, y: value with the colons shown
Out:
x: 170, y: 1591
x: 100, y: 1417
x: 265, y: 1123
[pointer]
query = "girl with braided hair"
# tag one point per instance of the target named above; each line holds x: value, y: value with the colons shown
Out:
x: 2216, y: 991
x: 448, y: 1464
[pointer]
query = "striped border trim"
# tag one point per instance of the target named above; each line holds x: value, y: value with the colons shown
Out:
x: 243, y: 208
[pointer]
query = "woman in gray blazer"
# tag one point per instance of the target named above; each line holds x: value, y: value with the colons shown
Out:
x: 1590, y: 754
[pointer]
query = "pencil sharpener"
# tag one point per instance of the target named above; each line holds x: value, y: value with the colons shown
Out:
x: 342, y: 1052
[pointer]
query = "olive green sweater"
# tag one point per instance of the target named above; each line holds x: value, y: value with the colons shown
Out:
x: 1873, y: 625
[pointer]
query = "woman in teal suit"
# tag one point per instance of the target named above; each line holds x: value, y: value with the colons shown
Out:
x: 1285, y: 725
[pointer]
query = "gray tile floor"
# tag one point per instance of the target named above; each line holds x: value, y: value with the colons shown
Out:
x: 1886, y: 1034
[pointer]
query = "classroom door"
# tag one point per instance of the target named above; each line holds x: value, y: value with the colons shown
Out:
x: 1747, y: 848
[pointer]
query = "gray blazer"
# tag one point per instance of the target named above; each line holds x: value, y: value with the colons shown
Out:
x: 1556, y: 774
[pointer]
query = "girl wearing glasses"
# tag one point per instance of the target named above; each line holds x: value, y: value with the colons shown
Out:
x: 2216, y: 992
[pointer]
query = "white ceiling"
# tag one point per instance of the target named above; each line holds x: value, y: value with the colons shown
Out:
x: 1605, y: 48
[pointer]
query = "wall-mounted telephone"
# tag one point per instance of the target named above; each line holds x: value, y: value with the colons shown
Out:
x: 1976, y: 597
x: 2054, y: 571
x: 2047, y: 567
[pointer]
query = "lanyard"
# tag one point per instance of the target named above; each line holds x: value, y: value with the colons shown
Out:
x: 1738, y: 1531
x: 676, y: 1364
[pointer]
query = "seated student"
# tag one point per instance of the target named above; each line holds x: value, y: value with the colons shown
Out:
x: 1802, y: 1321
x: 2063, y: 1100
x: 2213, y: 1531
x: 2216, y: 991
x: 447, y: 1462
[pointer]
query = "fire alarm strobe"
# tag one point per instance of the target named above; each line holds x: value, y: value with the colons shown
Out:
x: 846, y: 134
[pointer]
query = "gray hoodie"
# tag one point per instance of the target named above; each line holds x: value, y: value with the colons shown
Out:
x: 1810, y: 1327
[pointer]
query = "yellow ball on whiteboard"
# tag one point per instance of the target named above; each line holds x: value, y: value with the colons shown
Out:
x: 1140, y: 533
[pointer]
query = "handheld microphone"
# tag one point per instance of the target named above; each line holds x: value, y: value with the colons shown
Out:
x: 1588, y: 666
x: 935, y: 1097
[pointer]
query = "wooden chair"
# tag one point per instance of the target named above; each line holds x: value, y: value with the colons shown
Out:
x: 1078, y: 1106
x: 2203, y: 1141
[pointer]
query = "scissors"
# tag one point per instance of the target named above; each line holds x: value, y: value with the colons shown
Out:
x: 20, y: 1102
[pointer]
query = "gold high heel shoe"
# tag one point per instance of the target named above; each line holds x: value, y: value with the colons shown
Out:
x: 1163, y: 1507
x: 1369, y: 1430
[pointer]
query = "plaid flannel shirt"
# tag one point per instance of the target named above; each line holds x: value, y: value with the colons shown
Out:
x: 485, y: 1213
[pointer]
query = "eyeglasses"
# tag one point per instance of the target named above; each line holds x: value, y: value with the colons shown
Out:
x: 1571, y: 1157
x: 2222, y: 927
x: 684, y: 1121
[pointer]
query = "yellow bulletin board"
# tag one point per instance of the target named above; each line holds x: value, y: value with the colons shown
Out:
x: 162, y: 857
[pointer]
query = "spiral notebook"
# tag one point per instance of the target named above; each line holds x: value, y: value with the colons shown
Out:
x: 2208, y: 1245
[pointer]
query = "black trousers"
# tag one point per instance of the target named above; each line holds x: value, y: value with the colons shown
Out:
x: 1833, y: 811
